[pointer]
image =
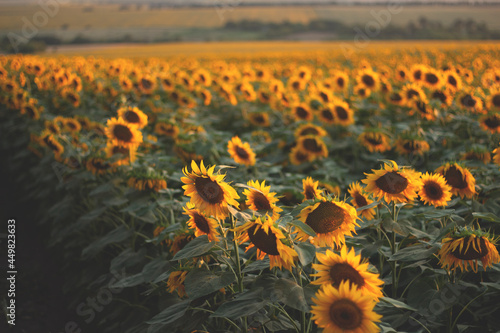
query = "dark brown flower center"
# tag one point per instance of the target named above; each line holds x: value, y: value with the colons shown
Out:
x: 265, y: 242
x: 30, y: 111
x: 260, y: 201
x: 311, y: 144
x: 431, y: 78
x: 455, y: 178
x: 259, y: 119
x: 492, y: 122
x: 471, y: 253
x: 496, y: 100
x: 341, y: 112
x: 452, y: 80
x: 368, y: 80
x: 327, y: 114
x: 396, y: 97
x: 374, y: 139
x: 411, y: 145
x: 309, y: 131
x: 346, y: 314
x: 242, y: 153
x: 402, y: 74
x: 342, y: 272
x: 340, y: 82
x: 201, y: 223
x: 120, y: 150
x: 146, y: 84
x: 439, y: 95
x: 131, y: 117
x: 412, y: 93
x: 433, y: 191
x: 392, y: 183
x: 468, y: 101
x: 309, y: 192
x: 301, y: 112
x: 417, y: 75
x: 324, y: 96
x: 209, y: 190
x: 360, y: 200
x: 326, y: 217
x: 122, y: 133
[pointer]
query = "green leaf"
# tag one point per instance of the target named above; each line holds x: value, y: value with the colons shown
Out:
x: 486, y: 216
x: 200, y: 282
x: 117, y: 201
x: 291, y: 294
x: 239, y: 308
x: 413, y: 253
x: 115, y: 236
x: 436, y: 214
x: 306, y: 252
x: 170, y: 314
x: 397, y: 304
x: 304, y: 227
x: 195, y: 248
x: 257, y: 265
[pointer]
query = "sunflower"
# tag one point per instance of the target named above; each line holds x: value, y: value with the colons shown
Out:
x: 133, y: 116
x: 241, y: 152
x: 260, y: 199
x: 309, y: 129
x: 310, y: 189
x: 361, y: 91
x: 326, y: 115
x: 122, y: 133
x: 208, y: 191
x: 496, y: 156
x: 146, y: 84
x: 423, y: 109
x: 397, y: 98
x: 205, y: 95
x: 412, y: 91
x: 126, y: 155
x: 477, y: 154
x: 393, y: 183
x: 369, y: 79
x: 332, y: 220
x: 297, y: 84
x: 297, y: 156
x: 493, y: 100
x: 167, y: 129
x: 98, y: 166
x: 452, y: 80
x: 374, y: 140
x: 345, y: 309
x: 434, y: 191
x: 465, y: 247
x: 180, y: 241
x: 360, y: 199
x: 175, y: 282
x: 30, y: 109
x: 264, y: 234
x: 71, y: 125
x: 402, y: 73
x: 490, y: 122
x: 51, y: 142
x: 409, y: 145
x: 260, y: 119
x: 334, y: 269
x: 417, y: 72
x: 302, y: 112
x: 331, y: 189
x: 312, y: 146
x: 444, y: 96
x: 470, y: 102
x: 202, y: 224
x: 459, y: 178
x: 343, y: 114
x: 432, y: 78
x: 341, y: 81
x: 145, y: 182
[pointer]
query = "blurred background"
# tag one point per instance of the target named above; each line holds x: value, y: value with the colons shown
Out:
x: 86, y: 27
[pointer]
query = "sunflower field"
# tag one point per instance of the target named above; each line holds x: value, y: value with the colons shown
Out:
x: 267, y: 193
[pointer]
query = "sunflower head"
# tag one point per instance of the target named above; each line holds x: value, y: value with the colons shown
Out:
x: 208, y: 191
x: 241, y: 152
x: 122, y: 133
x: 310, y: 189
x: 133, y: 116
x: 434, y: 191
x: 393, y: 183
x: 459, y: 178
x: 260, y: 199
x: 465, y: 247
x: 360, y: 199
x: 344, y: 309
x: 330, y: 219
x: 202, y: 224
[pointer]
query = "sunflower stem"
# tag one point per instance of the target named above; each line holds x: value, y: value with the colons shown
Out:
x: 394, y: 263
x: 237, y: 255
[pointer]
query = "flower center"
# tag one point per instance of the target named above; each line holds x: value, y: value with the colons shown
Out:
x: 360, y: 200
x: 242, y: 153
x: 146, y: 84
x: 392, y: 183
x: 260, y: 201
x: 265, y: 242
x: 309, y: 131
x: 374, y: 139
x: 346, y: 314
x: 341, y: 112
x: 468, y: 101
x: 327, y: 114
x: 417, y: 74
x: 301, y: 112
x: 324, y: 96
x: 340, y: 82
x: 368, y: 80
x: 209, y: 190
x: 131, y: 117
x: 439, y: 95
x: 312, y: 145
x: 412, y: 93
x: 120, y: 150
x: 492, y: 122
x: 122, y: 133
x: 433, y: 190
x: 343, y: 271
x: 201, y: 223
x: 452, y: 80
x: 471, y: 253
x: 496, y: 100
x: 455, y: 178
x: 326, y: 217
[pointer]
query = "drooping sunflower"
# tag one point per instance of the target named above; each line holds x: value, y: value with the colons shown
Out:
x: 397, y: 98
x: 460, y: 179
x: 241, y: 152
x: 123, y: 155
x: 122, y: 133
x: 147, y: 182
x: 344, y: 309
x: 98, y: 166
x: 334, y: 269
x: 411, y: 145
x: 393, y: 183
x: 260, y: 119
x: 310, y: 129
x: 260, y: 199
x: 50, y: 141
x: 330, y: 188
x: 464, y: 248
x: 374, y: 140
x: 133, y: 116
x: 444, y: 96
x: 264, y: 234
x: 423, y: 109
x: 312, y: 146
x: 167, y: 129
x: 490, y: 122
x: 477, y: 154
x: 208, y: 191
x: 434, y: 191
x: 331, y: 220
x: 202, y: 224
x: 175, y: 282
x: 361, y: 199
x: 310, y: 189
x: 469, y: 101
